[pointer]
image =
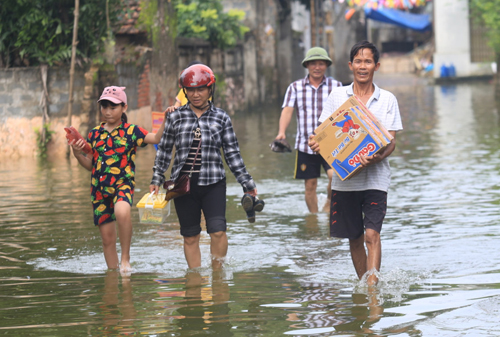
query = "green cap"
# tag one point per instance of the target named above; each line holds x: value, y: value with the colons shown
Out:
x: 317, y: 53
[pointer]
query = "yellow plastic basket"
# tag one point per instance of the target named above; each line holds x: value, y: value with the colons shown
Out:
x: 153, y: 208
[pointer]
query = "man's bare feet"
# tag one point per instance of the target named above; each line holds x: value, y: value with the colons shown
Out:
x: 371, y: 277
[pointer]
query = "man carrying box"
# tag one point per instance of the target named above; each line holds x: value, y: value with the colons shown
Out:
x: 358, y: 205
x: 308, y: 96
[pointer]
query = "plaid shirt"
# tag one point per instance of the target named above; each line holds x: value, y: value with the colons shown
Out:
x: 308, y: 101
x: 216, y: 132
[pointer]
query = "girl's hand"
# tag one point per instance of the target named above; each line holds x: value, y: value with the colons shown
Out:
x: 77, y: 146
x: 169, y: 110
x: 154, y: 188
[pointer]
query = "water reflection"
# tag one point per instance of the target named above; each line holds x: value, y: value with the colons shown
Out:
x: 117, y: 310
x: 284, y: 274
x: 205, y: 305
x: 364, y: 312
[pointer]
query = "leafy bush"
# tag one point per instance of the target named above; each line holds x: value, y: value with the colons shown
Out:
x: 486, y: 12
x: 205, y: 19
x: 41, y: 31
x: 43, y: 142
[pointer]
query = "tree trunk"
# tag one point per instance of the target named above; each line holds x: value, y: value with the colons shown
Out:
x: 164, y: 62
x: 44, y: 101
x: 313, y: 24
x: 72, y: 66
x: 284, y: 47
x: 497, y: 75
x: 73, y: 56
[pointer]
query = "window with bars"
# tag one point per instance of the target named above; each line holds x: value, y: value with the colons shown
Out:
x: 480, y: 51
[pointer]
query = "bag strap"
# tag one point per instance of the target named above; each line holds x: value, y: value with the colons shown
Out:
x: 194, y: 160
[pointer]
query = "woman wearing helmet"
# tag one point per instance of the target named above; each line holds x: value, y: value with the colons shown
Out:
x: 198, y: 130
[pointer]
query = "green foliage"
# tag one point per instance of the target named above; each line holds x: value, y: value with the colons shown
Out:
x: 148, y: 19
x: 205, y: 19
x: 33, y: 32
x: 41, y: 36
x: 42, y: 144
x: 487, y: 13
x: 220, y: 90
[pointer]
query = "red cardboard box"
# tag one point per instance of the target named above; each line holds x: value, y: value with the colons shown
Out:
x: 157, y: 118
x: 351, y: 131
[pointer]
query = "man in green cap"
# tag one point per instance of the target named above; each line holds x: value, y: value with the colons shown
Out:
x: 307, y: 96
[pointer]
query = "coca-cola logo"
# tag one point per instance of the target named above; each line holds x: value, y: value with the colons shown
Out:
x: 365, y: 151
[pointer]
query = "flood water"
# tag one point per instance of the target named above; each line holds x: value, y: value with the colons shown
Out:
x: 440, y: 271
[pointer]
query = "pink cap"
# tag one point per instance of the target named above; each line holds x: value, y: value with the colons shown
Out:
x: 114, y: 94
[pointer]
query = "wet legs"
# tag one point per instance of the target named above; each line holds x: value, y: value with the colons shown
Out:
x: 363, y: 262
x: 124, y: 220
x: 218, y: 249
x: 326, y: 207
x: 109, y: 235
x: 310, y: 195
x: 192, y: 251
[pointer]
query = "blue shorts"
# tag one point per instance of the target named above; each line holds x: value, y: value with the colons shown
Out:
x: 308, y: 166
x: 353, y: 212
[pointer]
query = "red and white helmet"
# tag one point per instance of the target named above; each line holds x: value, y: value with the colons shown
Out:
x: 196, y: 76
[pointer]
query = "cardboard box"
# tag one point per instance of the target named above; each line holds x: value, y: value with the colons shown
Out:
x: 351, y: 131
x: 157, y: 118
x: 153, y: 208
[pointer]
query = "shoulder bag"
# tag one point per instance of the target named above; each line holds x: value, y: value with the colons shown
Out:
x: 182, y: 185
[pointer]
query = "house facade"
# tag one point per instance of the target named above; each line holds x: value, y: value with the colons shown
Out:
x: 460, y: 42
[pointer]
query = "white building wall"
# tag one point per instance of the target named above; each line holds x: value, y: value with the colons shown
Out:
x: 452, y: 39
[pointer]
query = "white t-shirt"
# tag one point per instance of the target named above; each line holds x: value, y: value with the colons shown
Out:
x: 384, y: 106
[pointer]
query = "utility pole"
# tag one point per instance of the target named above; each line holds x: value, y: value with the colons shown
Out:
x: 313, y: 23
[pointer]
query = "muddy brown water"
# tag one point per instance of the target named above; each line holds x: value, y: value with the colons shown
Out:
x: 284, y: 276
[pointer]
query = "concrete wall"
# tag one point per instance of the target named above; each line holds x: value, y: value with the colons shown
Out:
x: 21, y: 90
x: 260, y: 49
x: 21, y: 114
x: 452, y: 39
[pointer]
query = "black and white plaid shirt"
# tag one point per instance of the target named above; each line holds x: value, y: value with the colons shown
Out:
x: 217, y: 131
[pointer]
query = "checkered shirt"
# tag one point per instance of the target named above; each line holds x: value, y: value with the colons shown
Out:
x: 216, y: 132
x: 308, y: 102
